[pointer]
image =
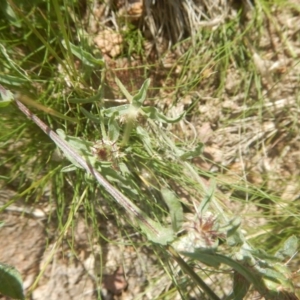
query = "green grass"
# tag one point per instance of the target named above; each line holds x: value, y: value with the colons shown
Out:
x: 47, y: 56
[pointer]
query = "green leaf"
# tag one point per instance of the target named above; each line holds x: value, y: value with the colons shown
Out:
x: 234, y: 237
x: 84, y: 56
x: 10, y: 14
x: 263, y: 255
x: 245, y: 255
x: 207, y: 199
x: 144, y: 136
x: 240, y: 286
x: 113, y: 128
x: 121, y: 109
x: 124, y: 169
x: 124, y: 90
x: 286, y: 282
x: 193, y: 153
x: 92, y: 99
x: 288, y: 249
x: 6, y: 96
x: 165, y: 236
x: 270, y: 274
x: 213, y: 258
x: 83, y: 147
x: 70, y: 168
x: 13, y: 64
x: 12, y: 80
x: 175, y: 208
x: 11, y: 282
x: 277, y: 279
x: 154, y: 114
x: 140, y: 97
x: 90, y: 116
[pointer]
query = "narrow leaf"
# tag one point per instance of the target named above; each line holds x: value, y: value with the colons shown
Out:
x: 83, y: 147
x: 6, y: 96
x: 140, y: 97
x: 189, y: 270
x: 154, y: 114
x: 28, y: 101
x: 175, y: 208
x: 10, y: 14
x: 240, y: 286
x: 221, y: 259
x: 70, y: 168
x: 144, y: 136
x: 193, y: 153
x: 90, y: 116
x: 164, y: 237
x: 13, y: 64
x: 4, y: 103
x: 10, y: 282
x: 288, y: 249
x: 84, y: 56
x: 121, y: 109
x: 113, y: 128
x: 92, y: 99
x: 124, y: 90
x: 12, y: 80
x: 207, y: 199
x: 234, y: 237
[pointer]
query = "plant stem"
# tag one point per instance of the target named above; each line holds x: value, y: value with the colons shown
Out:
x: 187, y: 269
